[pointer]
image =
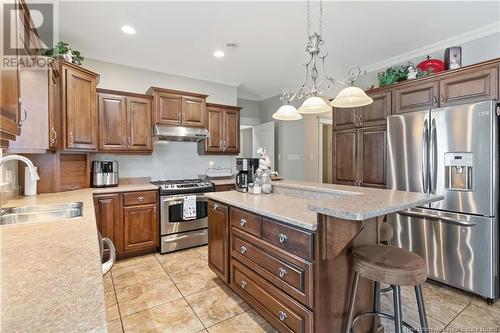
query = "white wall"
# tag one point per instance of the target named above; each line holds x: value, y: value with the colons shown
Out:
x: 250, y: 112
x: 175, y: 159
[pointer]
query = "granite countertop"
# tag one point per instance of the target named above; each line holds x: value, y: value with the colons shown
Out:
x: 297, y: 203
x: 51, y: 279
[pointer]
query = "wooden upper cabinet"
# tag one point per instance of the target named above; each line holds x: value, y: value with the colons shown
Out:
x: 344, y: 157
x: 415, y: 96
x: 194, y: 112
x: 54, y: 100
x: 178, y: 108
x: 168, y: 109
x: 372, y: 147
x: 377, y: 112
x: 79, y: 107
x: 469, y: 86
x: 218, y: 239
x: 344, y: 117
x: 139, y: 123
x: 215, y: 125
x: 224, y: 130
x: 231, y: 131
x: 124, y: 121
x: 112, y: 122
x: 10, y: 107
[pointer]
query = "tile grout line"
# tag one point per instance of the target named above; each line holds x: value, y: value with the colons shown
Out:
x: 451, y: 321
x: 117, y: 303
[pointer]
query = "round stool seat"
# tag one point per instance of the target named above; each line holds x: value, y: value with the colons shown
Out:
x: 389, y: 264
x: 386, y: 232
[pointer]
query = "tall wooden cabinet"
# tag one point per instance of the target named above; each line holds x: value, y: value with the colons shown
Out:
x: 178, y: 108
x: 218, y: 239
x: 124, y: 121
x: 224, y: 130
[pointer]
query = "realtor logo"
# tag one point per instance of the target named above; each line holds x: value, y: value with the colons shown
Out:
x: 18, y: 41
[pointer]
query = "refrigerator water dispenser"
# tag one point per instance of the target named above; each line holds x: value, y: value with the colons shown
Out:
x: 459, y: 169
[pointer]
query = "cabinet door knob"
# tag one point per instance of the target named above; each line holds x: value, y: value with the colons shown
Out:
x: 71, y: 140
x: 243, y: 222
x: 243, y: 284
x: 282, y: 315
x: 141, y: 199
x: 282, y: 238
x: 243, y: 250
x: 282, y: 272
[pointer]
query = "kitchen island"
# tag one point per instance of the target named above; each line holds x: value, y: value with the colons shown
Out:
x: 288, y: 253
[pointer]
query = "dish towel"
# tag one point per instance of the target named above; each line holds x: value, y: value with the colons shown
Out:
x: 189, y: 207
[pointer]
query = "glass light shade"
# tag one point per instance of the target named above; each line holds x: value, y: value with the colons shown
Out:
x: 287, y: 112
x: 351, y: 97
x: 314, y: 105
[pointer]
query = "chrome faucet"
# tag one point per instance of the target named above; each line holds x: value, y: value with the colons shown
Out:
x: 32, y: 170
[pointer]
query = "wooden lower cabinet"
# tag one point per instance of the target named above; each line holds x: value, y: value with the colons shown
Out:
x: 132, y: 226
x: 299, y: 284
x: 225, y: 187
x: 218, y: 238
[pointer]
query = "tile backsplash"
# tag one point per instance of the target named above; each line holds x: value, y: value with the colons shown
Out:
x: 170, y: 160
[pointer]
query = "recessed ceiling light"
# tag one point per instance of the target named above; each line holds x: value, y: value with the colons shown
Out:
x: 218, y: 54
x: 128, y: 30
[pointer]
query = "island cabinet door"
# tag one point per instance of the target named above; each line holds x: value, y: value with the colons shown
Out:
x: 344, y: 157
x: 140, y: 228
x: 218, y: 239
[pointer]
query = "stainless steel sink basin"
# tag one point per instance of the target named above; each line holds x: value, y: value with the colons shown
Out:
x: 39, y: 213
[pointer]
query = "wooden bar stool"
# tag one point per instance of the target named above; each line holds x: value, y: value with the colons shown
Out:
x: 393, y: 266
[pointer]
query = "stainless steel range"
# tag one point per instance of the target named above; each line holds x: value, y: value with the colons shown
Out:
x: 178, y: 232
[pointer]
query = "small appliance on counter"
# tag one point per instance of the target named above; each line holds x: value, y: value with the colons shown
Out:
x: 246, y: 168
x: 104, y: 174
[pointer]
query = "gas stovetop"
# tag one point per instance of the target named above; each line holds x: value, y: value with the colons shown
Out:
x: 183, y: 186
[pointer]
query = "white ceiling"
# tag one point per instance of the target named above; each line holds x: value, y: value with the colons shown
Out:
x: 180, y: 37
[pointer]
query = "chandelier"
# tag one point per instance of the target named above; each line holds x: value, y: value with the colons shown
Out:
x: 316, y: 80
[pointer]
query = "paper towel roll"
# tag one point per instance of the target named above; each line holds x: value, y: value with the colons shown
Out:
x: 29, y: 184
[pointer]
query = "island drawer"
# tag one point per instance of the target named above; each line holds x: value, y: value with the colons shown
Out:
x: 288, y: 238
x: 139, y: 198
x: 247, y: 221
x: 291, y: 274
x: 283, y: 312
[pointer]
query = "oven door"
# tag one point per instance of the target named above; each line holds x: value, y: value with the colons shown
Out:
x: 172, y: 221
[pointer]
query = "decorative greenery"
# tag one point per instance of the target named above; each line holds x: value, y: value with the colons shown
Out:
x: 398, y: 73
x: 62, y: 49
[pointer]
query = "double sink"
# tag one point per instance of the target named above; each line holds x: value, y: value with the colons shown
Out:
x: 41, y: 213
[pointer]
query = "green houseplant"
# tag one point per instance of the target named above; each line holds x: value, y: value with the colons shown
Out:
x: 63, y: 50
x: 398, y: 73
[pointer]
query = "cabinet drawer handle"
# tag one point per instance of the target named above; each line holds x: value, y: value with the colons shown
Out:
x: 442, y: 98
x: 282, y: 238
x: 282, y: 315
x: 124, y: 140
x: 216, y: 206
x: 243, y: 284
x: 243, y: 250
x: 141, y: 199
x: 434, y: 99
x: 72, y: 187
x: 282, y: 272
x: 243, y: 222
x: 71, y: 140
x: 24, y: 112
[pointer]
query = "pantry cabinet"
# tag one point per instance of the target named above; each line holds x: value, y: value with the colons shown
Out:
x: 224, y: 130
x: 369, y: 115
x: 124, y: 121
x: 178, y: 108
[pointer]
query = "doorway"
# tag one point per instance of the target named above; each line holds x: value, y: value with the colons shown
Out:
x: 325, y: 144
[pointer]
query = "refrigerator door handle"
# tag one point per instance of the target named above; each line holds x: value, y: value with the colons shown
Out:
x: 425, y: 156
x: 458, y: 222
x: 433, y: 157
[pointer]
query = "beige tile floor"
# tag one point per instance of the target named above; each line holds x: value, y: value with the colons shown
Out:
x: 177, y: 292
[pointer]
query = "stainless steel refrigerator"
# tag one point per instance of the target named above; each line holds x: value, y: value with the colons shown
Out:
x: 452, y: 151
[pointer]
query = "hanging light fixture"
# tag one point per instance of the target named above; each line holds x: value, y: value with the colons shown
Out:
x: 312, y: 89
x: 287, y: 112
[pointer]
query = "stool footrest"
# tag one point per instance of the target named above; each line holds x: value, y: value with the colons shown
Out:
x: 382, y: 315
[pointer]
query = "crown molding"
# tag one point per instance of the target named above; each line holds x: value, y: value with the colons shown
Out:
x: 250, y: 97
x: 480, y: 32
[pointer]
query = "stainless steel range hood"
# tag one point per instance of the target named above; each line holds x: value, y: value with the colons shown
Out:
x: 179, y: 133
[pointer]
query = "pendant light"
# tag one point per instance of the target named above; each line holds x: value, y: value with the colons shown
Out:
x: 312, y: 86
x: 287, y: 112
x: 351, y: 97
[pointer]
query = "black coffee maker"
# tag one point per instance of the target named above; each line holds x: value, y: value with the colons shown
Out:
x: 246, y: 168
